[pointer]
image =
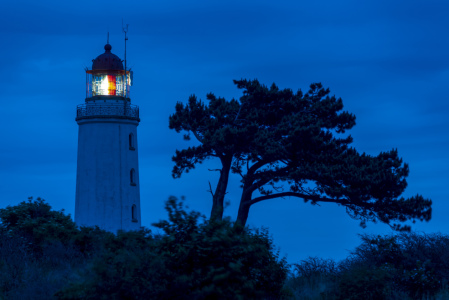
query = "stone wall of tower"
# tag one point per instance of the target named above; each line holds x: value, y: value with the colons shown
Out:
x: 106, y: 191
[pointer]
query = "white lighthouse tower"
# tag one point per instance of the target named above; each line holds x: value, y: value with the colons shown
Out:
x: 107, y: 179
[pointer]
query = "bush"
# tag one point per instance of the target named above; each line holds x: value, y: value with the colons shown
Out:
x: 414, y: 263
x: 128, y: 268
x: 13, y: 262
x: 403, y: 266
x: 35, y: 221
x: 314, y: 278
x: 219, y: 259
x: 365, y: 282
x: 38, y: 250
x: 190, y: 260
x: 91, y: 241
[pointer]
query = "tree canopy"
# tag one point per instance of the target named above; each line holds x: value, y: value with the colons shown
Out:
x: 286, y: 144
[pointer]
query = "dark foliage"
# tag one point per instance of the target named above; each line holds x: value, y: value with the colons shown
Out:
x: 37, y: 254
x: 313, y: 278
x: 128, y: 268
x: 365, y: 282
x: 403, y: 266
x: 286, y: 144
x: 90, y: 241
x: 194, y: 258
x: 35, y: 221
x: 415, y: 263
x: 190, y: 260
x: 219, y: 259
x: 44, y: 255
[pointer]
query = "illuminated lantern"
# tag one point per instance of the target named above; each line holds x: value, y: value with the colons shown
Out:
x: 108, y: 77
x: 107, y: 178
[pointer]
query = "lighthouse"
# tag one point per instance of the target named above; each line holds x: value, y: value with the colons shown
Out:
x: 107, y: 177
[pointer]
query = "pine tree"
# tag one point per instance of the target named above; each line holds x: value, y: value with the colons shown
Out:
x: 286, y: 144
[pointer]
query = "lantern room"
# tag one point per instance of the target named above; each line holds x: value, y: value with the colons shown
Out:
x: 108, y: 77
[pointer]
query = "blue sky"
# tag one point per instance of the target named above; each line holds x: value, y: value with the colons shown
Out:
x: 387, y: 60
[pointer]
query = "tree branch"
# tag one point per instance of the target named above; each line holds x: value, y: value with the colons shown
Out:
x: 313, y: 198
x: 198, y: 137
x: 263, y: 181
x: 210, y: 189
x: 256, y: 166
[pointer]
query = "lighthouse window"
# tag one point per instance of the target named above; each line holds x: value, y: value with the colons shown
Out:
x: 131, y: 142
x: 104, y: 84
x: 132, y: 177
x: 134, y: 213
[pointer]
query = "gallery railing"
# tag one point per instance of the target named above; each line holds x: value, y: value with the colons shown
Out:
x: 90, y: 111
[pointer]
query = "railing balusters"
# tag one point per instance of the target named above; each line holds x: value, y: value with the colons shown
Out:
x: 89, y: 111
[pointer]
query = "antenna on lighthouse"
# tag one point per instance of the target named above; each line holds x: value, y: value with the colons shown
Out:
x: 125, y: 30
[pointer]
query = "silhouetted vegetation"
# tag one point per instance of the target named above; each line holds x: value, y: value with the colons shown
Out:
x: 286, y: 144
x: 192, y: 258
x: 403, y: 266
x: 43, y: 255
x: 41, y: 250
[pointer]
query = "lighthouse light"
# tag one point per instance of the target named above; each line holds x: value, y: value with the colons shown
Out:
x: 106, y: 84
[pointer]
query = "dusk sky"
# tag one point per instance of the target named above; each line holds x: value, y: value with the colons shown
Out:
x: 387, y: 60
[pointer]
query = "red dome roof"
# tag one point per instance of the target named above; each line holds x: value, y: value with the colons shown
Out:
x: 107, y: 60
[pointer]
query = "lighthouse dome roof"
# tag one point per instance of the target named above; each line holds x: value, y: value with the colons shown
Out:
x: 107, y: 60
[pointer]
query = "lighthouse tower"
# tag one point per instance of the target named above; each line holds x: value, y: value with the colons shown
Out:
x: 107, y: 178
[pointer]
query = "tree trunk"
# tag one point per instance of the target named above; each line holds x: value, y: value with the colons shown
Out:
x: 220, y: 190
x: 245, y: 204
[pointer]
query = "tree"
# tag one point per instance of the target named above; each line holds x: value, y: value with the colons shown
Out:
x: 286, y: 144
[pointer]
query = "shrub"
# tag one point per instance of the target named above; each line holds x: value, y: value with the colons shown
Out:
x: 219, y: 259
x: 37, y: 251
x: 13, y: 262
x: 190, y: 260
x: 314, y: 278
x: 416, y: 263
x: 128, y: 268
x: 36, y: 221
x: 91, y: 241
x: 403, y: 266
x: 363, y: 281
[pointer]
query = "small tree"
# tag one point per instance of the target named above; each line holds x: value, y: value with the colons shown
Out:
x: 286, y: 144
